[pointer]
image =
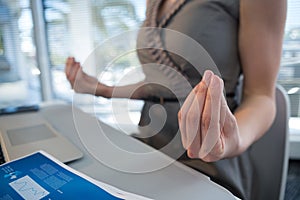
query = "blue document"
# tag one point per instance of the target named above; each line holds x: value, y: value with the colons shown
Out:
x: 38, y: 176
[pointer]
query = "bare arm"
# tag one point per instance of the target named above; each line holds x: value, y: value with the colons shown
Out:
x: 84, y: 83
x: 260, y: 39
x: 133, y: 91
x: 209, y: 130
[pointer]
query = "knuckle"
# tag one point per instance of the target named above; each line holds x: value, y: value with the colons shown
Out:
x: 202, y: 88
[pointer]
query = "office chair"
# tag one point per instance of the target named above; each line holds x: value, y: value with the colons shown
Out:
x: 270, y: 154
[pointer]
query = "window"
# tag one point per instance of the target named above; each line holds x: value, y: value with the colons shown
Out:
x: 19, y: 74
x: 289, y: 75
x: 76, y: 28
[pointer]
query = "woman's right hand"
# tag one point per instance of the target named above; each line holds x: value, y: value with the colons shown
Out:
x: 79, y: 80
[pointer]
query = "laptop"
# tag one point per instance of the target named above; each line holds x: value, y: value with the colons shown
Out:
x: 25, y: 133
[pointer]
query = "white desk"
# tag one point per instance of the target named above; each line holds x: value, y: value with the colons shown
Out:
x: 175, y: 181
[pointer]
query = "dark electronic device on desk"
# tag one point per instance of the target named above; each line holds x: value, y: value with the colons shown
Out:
x: 18, y: 109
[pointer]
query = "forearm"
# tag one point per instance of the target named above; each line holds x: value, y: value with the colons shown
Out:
x: 132, y: 91
x: 260, y: 44
x: 141, y: 90
x: 254, y: 117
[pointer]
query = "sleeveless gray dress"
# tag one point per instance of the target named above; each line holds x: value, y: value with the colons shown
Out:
x: 214, y: 25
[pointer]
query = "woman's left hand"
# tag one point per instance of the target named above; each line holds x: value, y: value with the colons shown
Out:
x: 209, y: 130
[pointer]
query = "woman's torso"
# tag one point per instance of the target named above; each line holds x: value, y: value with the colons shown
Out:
x: 211, y: 23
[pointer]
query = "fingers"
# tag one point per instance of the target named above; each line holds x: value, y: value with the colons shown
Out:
x: 71, y: 70
x: 202, y: 117
x: 210, y: 127
x: 190, y: 114
x: 73, y: 73
x: 224, y: 110
x: 68, y: 65
x: 195, y: 116
x: 193, y: 121
x: 182, y: 117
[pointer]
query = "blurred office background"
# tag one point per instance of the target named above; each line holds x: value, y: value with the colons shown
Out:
x: 37, y: 36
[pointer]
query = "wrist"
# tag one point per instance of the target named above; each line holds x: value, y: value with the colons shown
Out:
x: 103, y: 90
x: 237, y: 145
